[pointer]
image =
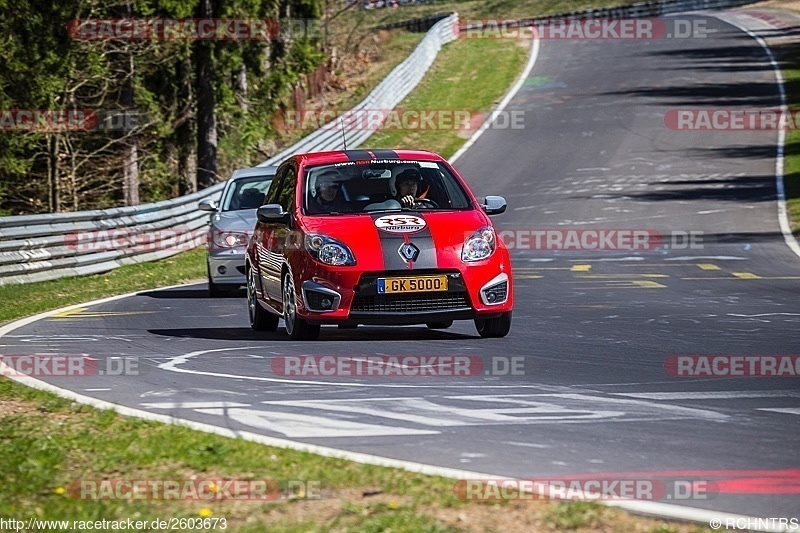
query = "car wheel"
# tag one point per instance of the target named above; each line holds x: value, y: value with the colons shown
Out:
x: 441, y: 324
x: 296, y: 327
x: 260, y: 318
x: 494, y: 327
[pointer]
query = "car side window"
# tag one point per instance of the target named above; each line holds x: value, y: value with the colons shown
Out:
x: 272, y: 193
x: 286, y: 190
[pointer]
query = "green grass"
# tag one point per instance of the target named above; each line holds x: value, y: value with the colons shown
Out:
x: 43, y: 454
x: 789, y: 56
x: 49, y: 444
x: 574, y: 515
x: 468, y: 75
x: 17, y: 301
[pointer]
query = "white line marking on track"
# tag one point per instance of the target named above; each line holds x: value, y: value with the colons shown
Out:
x: 194, y: 405
x: 307, y: 426
x: 698, y: 257
x: 783, y: 217
x: 787, y: 410
x: 512, y: 92
x: 528, y: 445
x: 711, y: 395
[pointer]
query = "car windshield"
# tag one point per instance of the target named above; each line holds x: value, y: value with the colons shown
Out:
x: 246, y: 193
x: 370, y: 186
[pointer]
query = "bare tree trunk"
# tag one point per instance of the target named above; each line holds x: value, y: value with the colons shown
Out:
x: 73, y: 174
x: 130, y: 166
x: 241, y: 87
x: 206, y: 118
x: 184, y: 130
x: 52, y: 174
x: 130, y: 172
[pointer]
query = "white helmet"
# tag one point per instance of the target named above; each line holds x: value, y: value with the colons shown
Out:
x: 326, y: 176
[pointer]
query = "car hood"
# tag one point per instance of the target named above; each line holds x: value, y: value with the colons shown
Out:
x: 243, y: 220
x: 439, y: 241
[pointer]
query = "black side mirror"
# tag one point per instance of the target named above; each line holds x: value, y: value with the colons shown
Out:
x: 271, y: 213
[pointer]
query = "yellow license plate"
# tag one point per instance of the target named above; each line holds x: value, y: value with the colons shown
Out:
x: 418, y: 284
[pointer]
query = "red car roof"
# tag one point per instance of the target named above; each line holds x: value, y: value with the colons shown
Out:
x: 341, y: 156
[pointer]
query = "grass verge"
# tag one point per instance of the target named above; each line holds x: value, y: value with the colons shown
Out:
x: 469, y: 76
x: 48, y: 445
x: 789, y: 55
x: 17, y: 301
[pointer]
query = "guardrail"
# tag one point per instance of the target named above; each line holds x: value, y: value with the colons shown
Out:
x: 43, y: 247
x: 418, y: 25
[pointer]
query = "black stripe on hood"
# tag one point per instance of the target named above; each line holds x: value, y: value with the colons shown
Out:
x: 391, y: 243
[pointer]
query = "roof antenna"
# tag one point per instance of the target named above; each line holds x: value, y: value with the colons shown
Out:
x: 344, y: 139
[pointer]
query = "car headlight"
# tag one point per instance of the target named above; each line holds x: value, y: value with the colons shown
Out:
x: 329, y: 251
x: 480, y: 245
x: 228, y: 239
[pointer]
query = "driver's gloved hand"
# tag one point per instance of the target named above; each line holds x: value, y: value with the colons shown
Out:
x: 408, y: 201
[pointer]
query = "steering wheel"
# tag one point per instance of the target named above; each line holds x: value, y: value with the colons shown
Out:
x: 425, y: 201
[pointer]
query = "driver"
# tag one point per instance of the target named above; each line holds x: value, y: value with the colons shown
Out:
x: 406, y: 185
x: 327, y: 198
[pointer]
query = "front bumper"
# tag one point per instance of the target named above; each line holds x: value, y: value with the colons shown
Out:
x: 352, y: 298
x: 226, y: 267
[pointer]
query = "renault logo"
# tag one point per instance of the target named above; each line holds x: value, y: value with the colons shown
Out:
x: 409, y: 252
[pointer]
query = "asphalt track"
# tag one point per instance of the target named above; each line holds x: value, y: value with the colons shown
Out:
x: 594, y: 328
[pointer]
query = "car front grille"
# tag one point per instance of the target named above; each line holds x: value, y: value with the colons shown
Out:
x: 410, y: 303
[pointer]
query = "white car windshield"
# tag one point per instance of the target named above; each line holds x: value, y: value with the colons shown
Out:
x: 246, y: 193
x: 370, y: 186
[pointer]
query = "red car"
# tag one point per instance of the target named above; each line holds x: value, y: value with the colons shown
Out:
x: 376, y: 237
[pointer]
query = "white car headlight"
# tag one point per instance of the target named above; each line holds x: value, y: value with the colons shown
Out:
x: 329, y: 250
x: 480, y: 245
x: 228, y: 239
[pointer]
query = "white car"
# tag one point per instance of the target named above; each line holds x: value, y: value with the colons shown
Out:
x: 231, y: 226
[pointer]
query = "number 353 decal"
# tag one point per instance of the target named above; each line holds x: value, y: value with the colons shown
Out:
x: 400, y: 223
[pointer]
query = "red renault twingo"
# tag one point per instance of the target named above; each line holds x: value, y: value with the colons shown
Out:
x: 376, y: 237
